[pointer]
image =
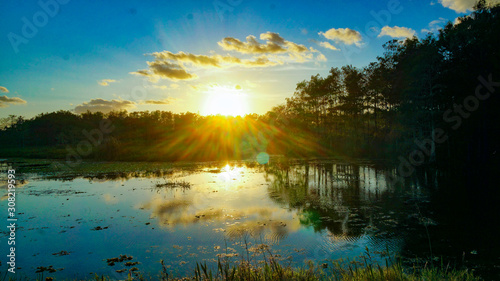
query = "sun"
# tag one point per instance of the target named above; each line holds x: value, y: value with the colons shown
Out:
x: 225, y: 100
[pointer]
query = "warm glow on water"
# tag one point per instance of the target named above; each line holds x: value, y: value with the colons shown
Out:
x: 229, y: 173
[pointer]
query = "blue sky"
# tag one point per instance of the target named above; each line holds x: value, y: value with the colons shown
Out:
x: 90, y: 55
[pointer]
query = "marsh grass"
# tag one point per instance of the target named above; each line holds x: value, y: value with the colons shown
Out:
x: 336, y: 270
x: 174, y: 184
x: 360, y: 269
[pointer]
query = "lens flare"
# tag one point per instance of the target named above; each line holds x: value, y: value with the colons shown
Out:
x: 262, y: 158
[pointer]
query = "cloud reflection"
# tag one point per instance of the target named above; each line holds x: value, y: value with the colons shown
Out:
x: 109, y: 199
x: 19, y: 184
x: 269, y: 223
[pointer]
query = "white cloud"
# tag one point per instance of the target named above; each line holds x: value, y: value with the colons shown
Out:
x: 328, y: 46
x: 321, y: 57
x: 396, y: 32
x: 3, y: 89
x: 346, y: 35
x: 462, y: 6
x: 105, y: 82
x: 435, y: 25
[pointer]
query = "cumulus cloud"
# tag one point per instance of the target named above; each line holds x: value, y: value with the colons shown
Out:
x: 321, y: 57
x: 5, y: 101
x: 164, y: 69
x: 174, y: 66
x: 434, y: 25
x: 396, y: 32
x: 274, y: 51
x: 328, y: 46
x: 274, y: 44
x: 345, y: 35
x: 199, y: 60
x: 462, y: 6
x: 105, y: 82
x: 218, y: 61
x: 3, y: 89
x: 104, y: 106
x: 163, y: 101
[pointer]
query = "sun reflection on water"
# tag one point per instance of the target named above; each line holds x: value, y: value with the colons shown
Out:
x: 231, y: 174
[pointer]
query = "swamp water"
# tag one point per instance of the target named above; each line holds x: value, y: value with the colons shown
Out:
x: 296, y: 211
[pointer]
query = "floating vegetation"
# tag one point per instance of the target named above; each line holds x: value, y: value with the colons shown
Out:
x: 61, y: 253
x: 121, y: 270
x: 100, y: 228
x: 214, y: 171
x: 49, y: 269
x: 54, y: 192
x: 174, y: 184
x: 121, y: 258
x: 129, y: 263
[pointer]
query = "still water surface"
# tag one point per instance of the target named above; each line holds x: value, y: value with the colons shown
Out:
x: 296, y: 210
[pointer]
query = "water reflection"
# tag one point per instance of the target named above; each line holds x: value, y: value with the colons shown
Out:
x: 338, y: 197
x: 324, y: 209
x: 5, y: 187
x: 350, y: 202
x: 269, y: 223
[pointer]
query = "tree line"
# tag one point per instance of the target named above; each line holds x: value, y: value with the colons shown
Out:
x: 430, y: 101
